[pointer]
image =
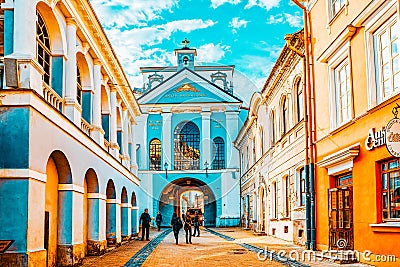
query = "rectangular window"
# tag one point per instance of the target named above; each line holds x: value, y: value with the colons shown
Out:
x: 387, y: 58
x: 336, y: 5
x: 287, y: 197
x: 390, y: 172
x: 342, y: 93
x: 302, y: 187
x: 275, y: 207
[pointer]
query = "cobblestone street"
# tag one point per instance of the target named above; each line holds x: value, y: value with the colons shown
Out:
x: 210, y: 249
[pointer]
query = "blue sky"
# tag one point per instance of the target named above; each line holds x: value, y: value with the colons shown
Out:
x: 245, y: 33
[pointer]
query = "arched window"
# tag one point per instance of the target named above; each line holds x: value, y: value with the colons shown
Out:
x: 219, y: 154
x: 155, y: 154
x: 78, y: 86
x: 187, y: 146
x: 43, y: 48
x: 285, y: 116
x: 299, y: 100
x: 273, y: 132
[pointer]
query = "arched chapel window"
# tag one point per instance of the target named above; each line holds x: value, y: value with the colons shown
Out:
x: 43, y: 48
x: 187, y: 146
x: 219, y: 154
x: 155, y: 154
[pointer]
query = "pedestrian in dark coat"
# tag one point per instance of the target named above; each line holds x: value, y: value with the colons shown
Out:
x: 158, y: 220
x: 187, y: 227
x: 176, y: 226
x: 145, y: 220
x: 196, y: 224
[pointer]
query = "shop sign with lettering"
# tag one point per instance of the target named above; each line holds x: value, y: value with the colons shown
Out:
x: 375, y: 138
x: 393, y: 137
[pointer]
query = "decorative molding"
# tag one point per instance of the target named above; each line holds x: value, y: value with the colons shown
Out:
x: 126, y: 205
x: 96, y: 196
x: 113, y: 201
x: 23, y: 174
x: 340, y: 161
x: 71, y: 187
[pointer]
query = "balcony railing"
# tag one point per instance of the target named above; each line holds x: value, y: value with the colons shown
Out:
x: 86, y: 127
x: 52, y: 97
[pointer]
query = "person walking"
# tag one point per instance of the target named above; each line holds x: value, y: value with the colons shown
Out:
x: 145, y: 220
x: 187, y: 227
x: 159, y: 220
x: 176, y: 226
x: 196, y: 224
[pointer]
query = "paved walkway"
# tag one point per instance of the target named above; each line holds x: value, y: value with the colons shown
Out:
x: 217, y: 247
x: 206, y: 250
x: 120, y: 255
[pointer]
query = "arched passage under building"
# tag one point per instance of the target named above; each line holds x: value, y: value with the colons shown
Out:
x: 184, y: 193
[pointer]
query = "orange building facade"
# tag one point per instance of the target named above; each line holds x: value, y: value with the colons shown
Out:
x: 356, y: 82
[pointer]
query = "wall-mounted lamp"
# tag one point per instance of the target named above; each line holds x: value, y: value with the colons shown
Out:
x: 166, y: 170
x: 206, y: 165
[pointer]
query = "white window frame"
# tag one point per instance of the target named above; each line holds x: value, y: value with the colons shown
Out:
x: 336, y: 61
x: 331, y: 5
x: 383, y: 17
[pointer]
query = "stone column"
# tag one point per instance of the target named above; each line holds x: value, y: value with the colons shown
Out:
x: 70, y: 249
x: 25, y: 28
x: 134, y: 165
x: 166, y: 143
x: 71, y: 107
x: 232, y: 126
x: 126, y: 221
x: 125, y: 137
x: 113, y: 222
x: 20, y: 26
x: 206, y: 142
x: 141, y: 137
x: 134, y: 220
x: 96, y: 244
x: 98, y: 132
x: 113, y: 123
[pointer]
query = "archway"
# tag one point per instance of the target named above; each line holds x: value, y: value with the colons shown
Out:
x: 125, y: 216
x: 57, y: 216
x: 172, y: 195
x: 134, y: 215
x: 91, y: 209
x: 111, y: 212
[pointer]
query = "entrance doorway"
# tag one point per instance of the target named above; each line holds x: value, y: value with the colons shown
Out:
x: 185, y: 193
x: 340, y: 201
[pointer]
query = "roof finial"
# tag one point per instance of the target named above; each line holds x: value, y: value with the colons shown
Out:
x: 185, y: 42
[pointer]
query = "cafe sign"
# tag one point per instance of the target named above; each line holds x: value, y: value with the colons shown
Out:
x: 393, y: 137
x: 375, y: 138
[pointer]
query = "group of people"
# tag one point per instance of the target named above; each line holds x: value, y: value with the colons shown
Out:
x: 177, y: 224
x: 186, y: 223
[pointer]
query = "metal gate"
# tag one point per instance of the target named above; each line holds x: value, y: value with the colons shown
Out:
x: 341, y: 218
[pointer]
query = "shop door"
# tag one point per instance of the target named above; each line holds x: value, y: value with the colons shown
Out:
x: 341, y: 218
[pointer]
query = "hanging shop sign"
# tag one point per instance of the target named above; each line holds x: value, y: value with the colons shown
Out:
x: 393, y: 137
x: 393, y: 134
x: 375, y: 138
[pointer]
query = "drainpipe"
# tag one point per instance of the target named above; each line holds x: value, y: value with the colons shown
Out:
x: 310, y: 137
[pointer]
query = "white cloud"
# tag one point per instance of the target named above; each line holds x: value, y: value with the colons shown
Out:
x: 121, y: 13
x: 216, y: 3
x: 236, y: 23
x: 211, y: 53
x: 294, y: 21
x: 134, y: 46
x: 267, y: 4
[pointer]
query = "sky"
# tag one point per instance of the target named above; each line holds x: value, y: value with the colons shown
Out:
x: 245, y: 33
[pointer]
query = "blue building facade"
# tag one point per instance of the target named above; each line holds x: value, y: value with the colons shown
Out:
x: 186, y: 157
